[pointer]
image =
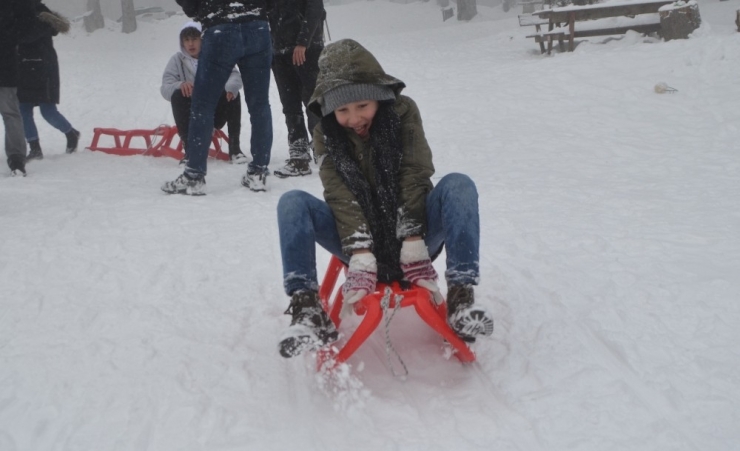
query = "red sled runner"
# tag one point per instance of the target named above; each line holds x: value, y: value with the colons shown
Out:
x: 158, y: 142
x: 370, y: 306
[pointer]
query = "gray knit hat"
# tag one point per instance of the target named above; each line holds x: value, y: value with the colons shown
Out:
x: 354, y: 92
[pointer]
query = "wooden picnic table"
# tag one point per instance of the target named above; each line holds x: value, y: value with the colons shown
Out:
x: 571, y: 14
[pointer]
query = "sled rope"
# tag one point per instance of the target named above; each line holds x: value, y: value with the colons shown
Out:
x: 385, y: 303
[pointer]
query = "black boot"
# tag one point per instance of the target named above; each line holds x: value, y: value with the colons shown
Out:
x: 236, y: 156
x: 464, y: 317
x: 35, y: 152
x: 17, y: 165
x: 73, y: 139
x: 310, y: 328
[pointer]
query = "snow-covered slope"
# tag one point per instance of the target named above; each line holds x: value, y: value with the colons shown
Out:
x: 132, y: 320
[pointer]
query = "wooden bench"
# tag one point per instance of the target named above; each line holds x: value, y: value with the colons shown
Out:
x: 644, y: 23
x: 602, y: 19
x: 529, y: 20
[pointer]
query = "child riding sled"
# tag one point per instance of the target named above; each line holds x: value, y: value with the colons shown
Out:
x: 381, y: 214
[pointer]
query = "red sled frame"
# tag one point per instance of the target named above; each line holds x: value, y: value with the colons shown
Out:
x: 158, y: 142
x: 369, y: 306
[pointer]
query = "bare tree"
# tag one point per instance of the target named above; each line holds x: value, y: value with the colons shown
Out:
x: 129, y: 16
x: 93, y: 19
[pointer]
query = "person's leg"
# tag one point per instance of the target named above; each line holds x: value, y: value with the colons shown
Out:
x: 234, y: 128
x: 289, y: 87
x: 51, y: 114
x: 15, y: 145
x: 55, y: 119
x: 215, y: 63
x: 219, y: 117
x: 453, y: 221
x: 181, y: 113
x: 256, y: 47
x: 304, y: 221
x: 308, y: 73
x: 29, y: 125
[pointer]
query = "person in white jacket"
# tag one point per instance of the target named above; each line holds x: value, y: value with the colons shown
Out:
x: 177, y: 88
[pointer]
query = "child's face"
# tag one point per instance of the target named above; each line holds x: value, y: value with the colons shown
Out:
x: 357, y: 116
x: 192, y: 45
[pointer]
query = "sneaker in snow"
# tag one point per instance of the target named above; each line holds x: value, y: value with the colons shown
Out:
x: 238, y: 158
x: 185, y: 185
x: 294, y: 167
x: 18, y: 173
x: 310, y: 327
x: 464, y: 317
x: 254, y: 181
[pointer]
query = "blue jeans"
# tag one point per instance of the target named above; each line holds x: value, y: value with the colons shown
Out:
x: 49, y: 112
x: 248, y: 45
x: 452, y: 221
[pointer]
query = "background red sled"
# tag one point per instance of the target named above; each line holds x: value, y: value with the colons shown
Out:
x: 158, y: 142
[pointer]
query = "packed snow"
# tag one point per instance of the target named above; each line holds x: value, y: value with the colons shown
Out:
x: 134, y: 320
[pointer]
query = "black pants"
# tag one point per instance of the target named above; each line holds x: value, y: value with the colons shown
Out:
x: 296, y: 85
x: 226, y: 113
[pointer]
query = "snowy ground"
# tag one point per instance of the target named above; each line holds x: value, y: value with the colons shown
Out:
x: 132, y: 320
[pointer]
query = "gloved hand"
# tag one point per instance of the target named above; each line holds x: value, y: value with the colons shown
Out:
x: 362, y: 275
x: 417, y: 267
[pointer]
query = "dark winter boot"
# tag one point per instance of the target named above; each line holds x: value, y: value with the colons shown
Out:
x: 35, y: 152
x: 17, y: 164
x: 310, y: 328
x: 299, y: 163
x: 464, y: 317
x: 73, y: 139
x: 236, y: 156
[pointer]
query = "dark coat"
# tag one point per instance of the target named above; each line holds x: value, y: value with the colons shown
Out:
x: 15, y: 16
x: 216, y: 12
x: 38, y: 64
x: 296, y: 22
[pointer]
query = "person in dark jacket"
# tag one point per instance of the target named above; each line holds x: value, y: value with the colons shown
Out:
x: 381, y: 215
x: 297, y: 39
x: 236, y: 33
x: 39, y: 83
x: 15, y: 16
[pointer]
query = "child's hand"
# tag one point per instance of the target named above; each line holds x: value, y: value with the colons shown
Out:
x: 229, y: 96
x: 186, y: 88
x: 362, y: 275
x: 417, y: 266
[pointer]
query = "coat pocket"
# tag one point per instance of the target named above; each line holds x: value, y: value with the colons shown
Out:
x: 33, y: 73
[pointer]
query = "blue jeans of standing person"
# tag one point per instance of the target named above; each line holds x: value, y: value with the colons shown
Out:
x: 49, y: 112
x: 249, y: 46
x: 452, y: 221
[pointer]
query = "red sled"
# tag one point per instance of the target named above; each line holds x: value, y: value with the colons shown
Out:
x: 369, y: 306
x: 158, y: 142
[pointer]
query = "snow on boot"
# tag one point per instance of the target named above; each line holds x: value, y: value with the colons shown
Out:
x: 73, y: 139
x: 186, y: 185
x: 254, y: 181
x: 17, y: 164
x: 238, y: 158
x: 294, y: 168
x: 464, y: 317
x: 299, y: 163
x: 310, y: 328
x: 35, y: 152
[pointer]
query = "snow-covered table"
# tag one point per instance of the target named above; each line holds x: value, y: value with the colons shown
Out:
x: 601, y: 19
